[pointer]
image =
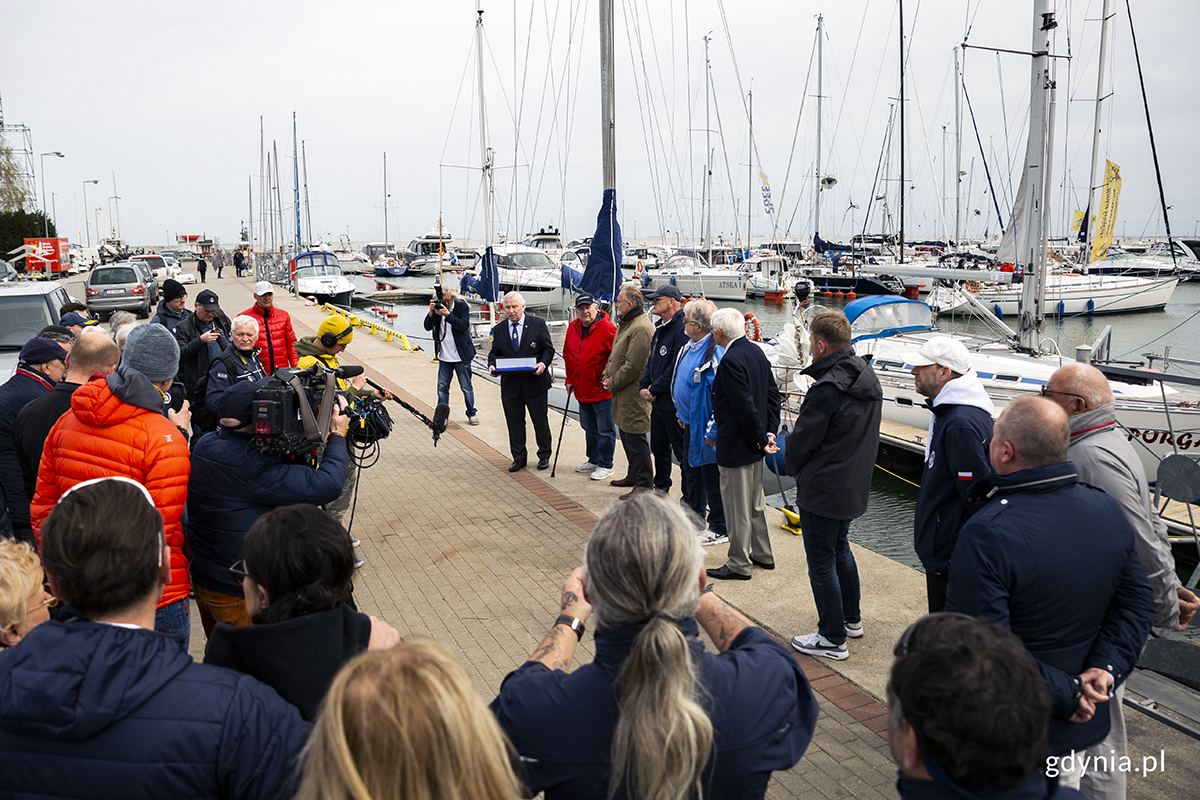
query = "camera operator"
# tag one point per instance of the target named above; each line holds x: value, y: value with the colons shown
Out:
x: 232, y: 484
x: 333, y: 337
x: 449, y: 318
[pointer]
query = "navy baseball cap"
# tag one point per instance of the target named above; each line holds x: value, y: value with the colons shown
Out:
x: 665, y: 291
x: 584, y: 300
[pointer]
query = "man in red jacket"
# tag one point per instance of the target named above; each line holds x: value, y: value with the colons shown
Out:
x: 119, y: 426
x: 276, y: 339
x: 588, y: 346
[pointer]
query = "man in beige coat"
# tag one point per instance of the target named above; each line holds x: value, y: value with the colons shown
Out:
x: 631, y: 411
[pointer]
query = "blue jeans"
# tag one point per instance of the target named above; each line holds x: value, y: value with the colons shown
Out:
x: 832, y: 573
x: 598, y: 431
x: 463, y: 370
x: 176, y: 617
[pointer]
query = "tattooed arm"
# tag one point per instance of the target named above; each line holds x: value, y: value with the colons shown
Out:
x: 557, y: 650
x: 721, y: 621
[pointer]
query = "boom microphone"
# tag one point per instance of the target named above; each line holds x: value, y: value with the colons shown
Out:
x: 348, y: 371
x: 440, y: 415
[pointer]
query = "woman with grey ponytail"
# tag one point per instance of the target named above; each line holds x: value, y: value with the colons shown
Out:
x: 654, y: 717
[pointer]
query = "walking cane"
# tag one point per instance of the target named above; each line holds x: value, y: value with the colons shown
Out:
x: 558, y: 449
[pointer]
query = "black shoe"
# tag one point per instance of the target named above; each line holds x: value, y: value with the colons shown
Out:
x: 758, y: 563
x: 516, y: 466
x: 543, y: 463
x: 725, y: 573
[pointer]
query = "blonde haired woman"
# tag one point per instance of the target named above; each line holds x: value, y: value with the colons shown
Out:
x: 24, y: 604
x: 406, y: 724
x: 654, y: 716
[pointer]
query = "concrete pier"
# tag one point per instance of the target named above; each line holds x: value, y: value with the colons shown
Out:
x: 458, y: 549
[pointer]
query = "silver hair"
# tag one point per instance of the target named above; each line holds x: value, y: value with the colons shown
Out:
x: 700, y: 311
x: 120, y: 318
x: 123, y: 333
x: 729, y: 321
x: 632, y: 294
x: 515, y: 296
x: 450, y: 291
x: 244, y: 320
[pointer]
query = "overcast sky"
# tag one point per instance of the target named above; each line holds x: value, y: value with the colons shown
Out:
x: 167, y: 97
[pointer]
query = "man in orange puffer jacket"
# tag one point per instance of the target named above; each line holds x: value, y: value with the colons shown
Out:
x: 119, y: 426
x: 276, y: 338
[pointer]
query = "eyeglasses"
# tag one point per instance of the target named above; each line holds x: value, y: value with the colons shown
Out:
x: 1047, y: 392
x: 906, y: 639
x: 238, y: 570
x: 49, y: 602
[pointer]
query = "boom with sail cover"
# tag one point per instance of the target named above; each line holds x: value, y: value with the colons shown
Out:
x: 602, y: 278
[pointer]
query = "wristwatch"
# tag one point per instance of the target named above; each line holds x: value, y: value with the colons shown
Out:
x: 572, y: 623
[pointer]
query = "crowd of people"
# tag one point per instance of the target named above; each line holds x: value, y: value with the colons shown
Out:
x: 120, y: 505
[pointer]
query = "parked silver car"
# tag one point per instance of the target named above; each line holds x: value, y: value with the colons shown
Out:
x: 121, y: 286
x: 25, y: 308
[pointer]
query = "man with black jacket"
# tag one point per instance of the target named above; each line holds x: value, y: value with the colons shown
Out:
x: 202, y: 337
x: 831, y: 453
x: 523, y: 335
x: 450, y: 321
x: 666, y: 437
x: 956, y: 455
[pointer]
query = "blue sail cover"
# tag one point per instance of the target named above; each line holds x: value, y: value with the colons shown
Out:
x: 822, y: 246
x: 602, y: 278
x: 572, y: 279
x: 488, y: 286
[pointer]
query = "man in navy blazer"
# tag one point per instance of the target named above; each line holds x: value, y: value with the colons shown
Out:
x: 745, y: 416
x: 523, y: 335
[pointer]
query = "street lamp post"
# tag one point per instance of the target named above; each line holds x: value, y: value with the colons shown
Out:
x: 87, y: 214
x: 46, y: 219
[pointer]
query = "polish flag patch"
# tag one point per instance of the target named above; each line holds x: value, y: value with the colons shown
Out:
x: 966, y: 476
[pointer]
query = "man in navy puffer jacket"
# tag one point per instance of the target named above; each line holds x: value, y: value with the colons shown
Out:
x: 956, y: 455
x: 99, y: 705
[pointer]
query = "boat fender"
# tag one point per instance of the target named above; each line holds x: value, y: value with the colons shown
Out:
x: 753, y: 329
x: 1062, y: 308
x: 645, y: 280
x: 1091, y: 307
x: 997, y: 311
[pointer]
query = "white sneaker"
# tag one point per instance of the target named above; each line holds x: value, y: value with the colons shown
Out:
x: 709, y: 536
x: 814, y: 644
x: 354, y: 542
x: 473, y: 419
x: 602, y: 473
x: 854, y: 630
x: 586, y: 466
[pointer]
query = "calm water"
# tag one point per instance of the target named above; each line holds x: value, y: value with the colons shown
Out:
x: 886, y: 528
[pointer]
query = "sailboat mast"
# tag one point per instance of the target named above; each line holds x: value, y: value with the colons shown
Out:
x: 957, y: 153
x: 386, y: 241
x: 1087, y: 213
x: 750, y: 173
x: 483, y: 133
x: 296, y: 177
x: 1029, y: 230
x: 307, y: 204
x: 608, y: 103
x: 707, y: 154
x: 901, y: 131
x: 820, y: 92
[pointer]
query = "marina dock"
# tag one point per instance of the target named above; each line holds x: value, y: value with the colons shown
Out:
x: 458, y: 549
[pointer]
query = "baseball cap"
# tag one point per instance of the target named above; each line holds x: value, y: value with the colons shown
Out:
x: 264, y: 287
x: 208, y: 299
x: 75, y: 318
x: 584, y: 300
x: 41, y: 351
x: 945, y: 352
x: 665, y: 291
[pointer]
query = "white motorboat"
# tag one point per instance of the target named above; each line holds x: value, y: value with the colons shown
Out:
x: 317, y: 274
x: 427, y: 254
x: 529, y: 271
x: 692, y: 278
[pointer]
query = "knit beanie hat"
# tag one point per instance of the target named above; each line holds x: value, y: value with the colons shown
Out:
x: 172, y: 289
x: 152, y: 351
x: 338, y: 327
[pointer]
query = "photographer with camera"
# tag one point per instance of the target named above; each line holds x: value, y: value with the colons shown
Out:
x: 232, y: 484
x: 449, y: 318
x: 333, y: 337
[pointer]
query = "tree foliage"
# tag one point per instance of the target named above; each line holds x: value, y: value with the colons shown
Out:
x: 16, y: 226
x: 14, y: 190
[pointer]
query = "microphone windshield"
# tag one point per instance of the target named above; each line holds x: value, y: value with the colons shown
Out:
x: 440, y: 415
x: 349, y: 371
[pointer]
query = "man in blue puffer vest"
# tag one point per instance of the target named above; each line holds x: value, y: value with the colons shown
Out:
x: 100, y: 705
x: 956, y: 454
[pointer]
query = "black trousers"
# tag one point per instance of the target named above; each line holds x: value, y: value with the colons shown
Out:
x: 514, y: 416
x: 637, y: 453
x: 935, y: 590
x: 666, y: 437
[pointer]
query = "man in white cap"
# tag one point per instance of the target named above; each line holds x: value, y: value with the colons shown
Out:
x: 956, y: 454
x: 276, y: 338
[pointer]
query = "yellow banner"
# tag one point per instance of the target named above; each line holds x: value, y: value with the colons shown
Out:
x: 1078, y: 223
x: 1107, y: 219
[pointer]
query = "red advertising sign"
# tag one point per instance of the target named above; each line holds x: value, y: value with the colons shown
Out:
x: 47, y: 256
